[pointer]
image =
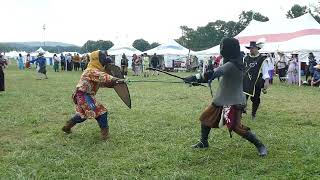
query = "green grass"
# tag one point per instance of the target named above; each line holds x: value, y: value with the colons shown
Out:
x: 153, y: 139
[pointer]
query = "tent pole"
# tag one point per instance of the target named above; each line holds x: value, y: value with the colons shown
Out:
x: 299, y: 72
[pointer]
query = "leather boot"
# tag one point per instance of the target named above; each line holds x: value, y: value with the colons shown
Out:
x: 104, y: 133
x: 203, y: 143
x: 262, y: 150
x: 68, y: 126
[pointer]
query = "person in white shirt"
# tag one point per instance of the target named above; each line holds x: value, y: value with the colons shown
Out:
x: 270, y: 61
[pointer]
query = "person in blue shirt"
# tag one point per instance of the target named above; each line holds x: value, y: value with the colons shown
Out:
x: 315, y: 81
x: 20, y: 62
x: 41, y: 61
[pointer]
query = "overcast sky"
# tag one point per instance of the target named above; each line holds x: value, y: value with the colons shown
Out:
x: 76, y: 21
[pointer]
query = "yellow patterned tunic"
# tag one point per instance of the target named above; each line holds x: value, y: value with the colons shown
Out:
x: 91, y: 80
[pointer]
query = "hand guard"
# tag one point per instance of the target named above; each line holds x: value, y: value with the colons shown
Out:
x: 115, y: 81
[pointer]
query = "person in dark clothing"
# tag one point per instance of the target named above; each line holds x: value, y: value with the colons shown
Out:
x: 310, y: 68
x: 63, y: 62
x: 124, y: 65
x: 229, y: 102
x: 41, y: 62
x: 3, y: 64
x: 155, y: 63
x: 256, y: 77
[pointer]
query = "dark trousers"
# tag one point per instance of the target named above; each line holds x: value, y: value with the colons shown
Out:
x: 256, y: 98
x: 63, y: 65
x: 102, y: 120
x: 282, y: 74
x: 69, y: 66
x: 1, y: 79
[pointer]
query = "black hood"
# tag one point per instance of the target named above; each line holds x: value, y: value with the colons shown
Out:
x: 230, y: 51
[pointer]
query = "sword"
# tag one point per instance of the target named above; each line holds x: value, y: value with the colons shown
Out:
x: 191, y: 83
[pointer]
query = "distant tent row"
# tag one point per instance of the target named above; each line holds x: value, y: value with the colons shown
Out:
x: 301, y: 35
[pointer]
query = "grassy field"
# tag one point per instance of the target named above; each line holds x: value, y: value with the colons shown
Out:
x: 152, y: 140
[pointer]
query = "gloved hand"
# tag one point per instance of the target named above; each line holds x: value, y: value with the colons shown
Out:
x: 115, y: 81
x: 190, y: 79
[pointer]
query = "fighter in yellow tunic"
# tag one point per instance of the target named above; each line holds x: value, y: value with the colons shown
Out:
x: 87, y: 106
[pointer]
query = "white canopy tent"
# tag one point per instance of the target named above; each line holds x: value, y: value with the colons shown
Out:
x: 170, y: 48
x: 285, y: 35
x: 40, y: 50
x: 118, y: 50
x: 171, y: 51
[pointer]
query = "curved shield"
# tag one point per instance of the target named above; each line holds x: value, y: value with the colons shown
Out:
x: 123, y: 92
x: 121, y: 89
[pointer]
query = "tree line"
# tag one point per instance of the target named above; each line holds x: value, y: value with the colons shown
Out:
x: 203, y: 37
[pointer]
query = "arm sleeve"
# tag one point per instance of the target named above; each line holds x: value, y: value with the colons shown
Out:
x: 100, y: 77
x: 265, y: 69
x: 32, y: 61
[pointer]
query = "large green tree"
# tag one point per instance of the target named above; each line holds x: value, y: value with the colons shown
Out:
x: 316, y: 13
x: 90, y: 45
x: 154, y: 44
x: 297, y: 11
x: 210, y: 35
x: 141, y: 45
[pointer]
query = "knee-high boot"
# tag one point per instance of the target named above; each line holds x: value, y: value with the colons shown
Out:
x: 104, y: 127
x: 262, y: 150
x: 203, y: 143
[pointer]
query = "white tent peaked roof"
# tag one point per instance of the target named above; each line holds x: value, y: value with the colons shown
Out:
x: 169, y: 48
x: 126, y: 49
x: 284, y: 34
x: 40, y: 50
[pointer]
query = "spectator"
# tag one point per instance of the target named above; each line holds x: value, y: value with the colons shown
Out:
x: 3, y: 64
x: 281, y: 66
x: 76, y: 61
x: 210, y: 65
x: 315, y: 81
x: 146, y: 64
x: 69, y: 62
x: 62, y: 62
x: 293, y: 73
x: 20, y: 62
x: 138, y: 66
x: 28, y: 61
x: 310, y: 67
x: 56, y: 63
x: 133, y: 64
x: 270, y: 61
x: 124, y: 65
x: 155, y: 63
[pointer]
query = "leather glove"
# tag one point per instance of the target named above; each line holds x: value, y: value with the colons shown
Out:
x: 190, y: 79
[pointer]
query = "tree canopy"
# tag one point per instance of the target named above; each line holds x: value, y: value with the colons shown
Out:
x: 210, y: 35
x: 143, y: 45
